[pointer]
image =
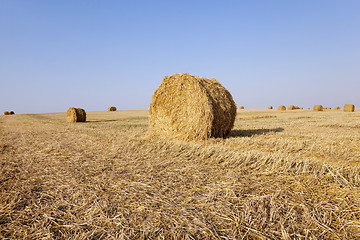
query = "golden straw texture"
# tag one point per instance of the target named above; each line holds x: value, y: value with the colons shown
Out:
x: 189, y: 107
x: 75, y: 115
x: 281, y: 107
x: 291, y: 107
x: 349, y: 108
x: 318, y: 108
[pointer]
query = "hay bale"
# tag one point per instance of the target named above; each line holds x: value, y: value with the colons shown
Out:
x: 190, y: 107
x: 6, y: 113
x: 281, y: 107
x: 337, y: 108
x: 349, y: 108
x: 291, y: 107
x: 241, y: 107
x: 11, y: 112
x: 318, y: 108
x: 75, y: 115
x: 270, y: 107
x: 111, y: 109
x: 301, y: 108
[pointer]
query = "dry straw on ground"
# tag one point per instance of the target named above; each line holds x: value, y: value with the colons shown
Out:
x: 281, y: 107
x: 112, y: 109
x: 270, y: 107
x: 190, y: 107
x: 75, y: 115
x: 6, y: 113
x: 318, y: 108
x: 349, y: 108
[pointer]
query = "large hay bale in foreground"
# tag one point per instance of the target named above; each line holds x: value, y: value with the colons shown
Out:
x: 318, y: 108
x: 291, y: 107
x: 281, y: 107
x: 190, y: 107
x: 111, y: 109
x: 349, y: 108
x: 270, y: 107
x: 75, y: 115
x: 6, y: 113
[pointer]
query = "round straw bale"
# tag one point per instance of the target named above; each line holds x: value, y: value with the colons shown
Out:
x: 301, y: 108
x: 318, y: 108
x: 349, y: 108
x: 270, y: 107
x: 291, y: 107
x: 189, y: 107
x: 75, y: 115
x: 6, y: 113
x: 112, y: 109
x: 11, y: 112
x: 337, y: 108
x: 281, y: 107
x: 297, y: 107
x: 241, y: 107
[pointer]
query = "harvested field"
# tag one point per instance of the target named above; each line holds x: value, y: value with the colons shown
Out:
x: 280, y: 175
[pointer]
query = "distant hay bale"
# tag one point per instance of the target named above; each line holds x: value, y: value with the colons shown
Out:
x: 337, y: 108
x: 270, y: 107
x: 75, y: 115
x: 349, y: 108
x: 241, y: 107
x: 6, y: 113
x: 296, y: 107
x: 308, y: 108
x: 291, y: 107
x: 189, y: 107
x: 11, y: 112
x: 318, y: 108
x: 111, y: 109
x: 301, y: 108
x: 282, y: 108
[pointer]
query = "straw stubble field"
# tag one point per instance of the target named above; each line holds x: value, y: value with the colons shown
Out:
x: 280, y: 175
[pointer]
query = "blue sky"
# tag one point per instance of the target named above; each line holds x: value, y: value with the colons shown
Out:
x: 94, y: 54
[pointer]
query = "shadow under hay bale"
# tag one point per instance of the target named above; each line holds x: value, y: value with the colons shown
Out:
x: 349, y: 108
x: 75, y: 115
x: 253, y: 132
x: 111, y: 109
x: 189, y: 107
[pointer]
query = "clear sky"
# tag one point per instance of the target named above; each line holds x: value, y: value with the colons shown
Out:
x: 95, y: 54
